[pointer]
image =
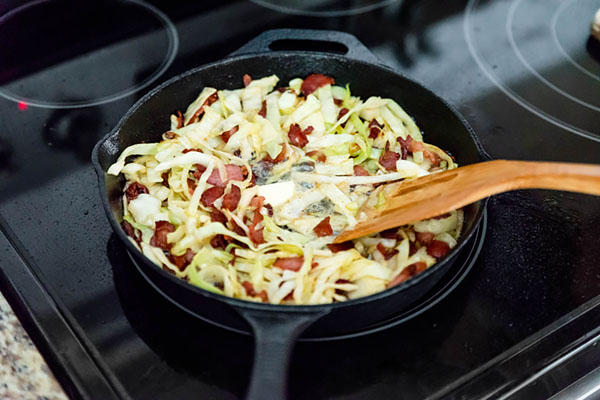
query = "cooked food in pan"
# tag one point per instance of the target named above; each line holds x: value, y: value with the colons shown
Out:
x: 248, y: 188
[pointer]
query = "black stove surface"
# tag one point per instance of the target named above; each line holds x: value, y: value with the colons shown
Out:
x: 524, y: 319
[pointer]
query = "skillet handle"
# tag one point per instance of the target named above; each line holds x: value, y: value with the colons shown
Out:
x: 274, y: 336
x: 309, y: 40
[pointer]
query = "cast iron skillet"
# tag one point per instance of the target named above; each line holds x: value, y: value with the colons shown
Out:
x: 277, y: 327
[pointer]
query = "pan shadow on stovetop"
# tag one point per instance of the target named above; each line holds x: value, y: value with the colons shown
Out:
x: 191, y: 350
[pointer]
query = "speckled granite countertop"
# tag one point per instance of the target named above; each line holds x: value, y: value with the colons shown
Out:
x: 23, y: 372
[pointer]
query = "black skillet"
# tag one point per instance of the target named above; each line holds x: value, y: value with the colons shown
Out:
x: 287, y: 53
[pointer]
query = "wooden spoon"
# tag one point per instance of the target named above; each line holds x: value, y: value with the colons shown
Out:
x: 439, y: 193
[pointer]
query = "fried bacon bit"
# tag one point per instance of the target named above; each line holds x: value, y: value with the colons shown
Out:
x: 234, y: 173
x: 323, y: 228
x: 338, y: 102
x: 218, y: 242
x: 321, y: 157
x: 412, y: 249
x: 438, y: 249
x: 389, y: 233
x: 159, y: 239
x: 217, y: 216
x: 388, y: 160
x: 410, y: 146
x: 337, y: 247
x: 263, y: 109
x: 446, y: 215
x: 408, y: 273
x: 360, y: 171
x: 134, y: 190
x: 237, y: 229
x: 253, y: 293
x: 424, y: 237
x: 290, y: 263
x: 227, y: 134
x: 131, y: 231
x: 196, y: 117
x: 179, y: 120
x: 165, y: 178
x: 199, y: 171
x: 184, y: 151
x: 269, y: 209
x: 298, y: 136
x: 210, y: 195
x: 387, y: 253
x: 343, y: 112
x: 184, y: 260
x: 256, y: 234
x: 231, y: 199
x: 247, y: 80
x: 315, y: 81
x: 374, y: 128
x: 405, y: 146
x: 191, y: 186
x: 280, y: 157
x: 171, y: 135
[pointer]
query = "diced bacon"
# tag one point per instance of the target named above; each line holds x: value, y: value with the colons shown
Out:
x: 199, y: 171
x: 196, y: 117
x: 210, y: 195
x: 184, y: 260
x: 438, y: 249
x: 217, y: 216
x: 231, y: 199
x: 424, y: 237
x: 257, y: 201
x: 256, y: 234
x: 234, y: 173
x: 247, y: 80
x: 289, y: 263
x: 387, y: 253
x: 184, y: 151
x: 408, y: 273
x: 282, y: 89
x: 446, y: 215
x: 323, y: 228
x: 360, y: 171
x: 338, y: 102
x: 269, y: 209
x: 342, y: 112
x: 179, y: 120
x: 388, y: 160
x: 263, y: 109
x: 131, y: 231
x: 159, y: 239
x: 227, y: 134
x: 297, y: 136
x: 191, y: 186
x: 171, y: 135
x: 321, y: 157
x: 134, y: 190
x: 165, y: 178
x: 280, y: 157
x: 315, y: 81
x: 337, y: 247
x: 218, y: 242
x: 412, y: 249
x: 253, y: 293
x: 389, y: 233
x: 374, y: 129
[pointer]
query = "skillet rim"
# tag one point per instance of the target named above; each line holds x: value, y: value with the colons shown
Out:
x: 251, y: 305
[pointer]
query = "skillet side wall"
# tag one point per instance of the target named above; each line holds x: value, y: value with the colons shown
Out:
x: 441, y: 126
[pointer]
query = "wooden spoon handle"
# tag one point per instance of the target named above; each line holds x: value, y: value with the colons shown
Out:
x: 438, y: 193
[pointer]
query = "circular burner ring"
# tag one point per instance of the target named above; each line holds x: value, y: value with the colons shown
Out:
x: 173, y: 46
x: 468, y: 28
x: 276, y: 6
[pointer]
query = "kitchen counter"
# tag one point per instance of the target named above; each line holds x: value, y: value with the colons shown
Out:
x: 23, y: 372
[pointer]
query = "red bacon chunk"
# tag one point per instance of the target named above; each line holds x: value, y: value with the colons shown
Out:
x: 131, y: 231
x: 342, y: 112
x: 227, y: 134
x: 247, y: 79
x: 170, y: 135
x: 323, y: 228
x: 374, y: 128
x: 360, y: 171
x: 234, y: 173
x: 184, y: 260
x: 159, y: 239
x: 218, y: 242
x: 387, y: 253
x: 298, y: 136
x: 196, y: 117
x: 253, y: 293
x: 424, y: 237
x: 263, y: 109
x: 337, y: 247
x: 389, y: 233
x: 179, y: 120
x: 315, y: 81
x: 388, y: 160
x: 217, y: 216
x: 231, y: 199
x: 408, y: 273
x: 210, y: 195
x: 280, y: 157
x: 291, y: 263
x: 438, y: 249
x: 134, y: 190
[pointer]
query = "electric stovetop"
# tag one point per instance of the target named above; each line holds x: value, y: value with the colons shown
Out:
x: 520, y: 317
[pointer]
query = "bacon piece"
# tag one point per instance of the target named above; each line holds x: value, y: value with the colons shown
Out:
x: 191, y: 186
x: 342, y: 112
x: 159, y: 239
x: 263, y: 109
x: 227, y: 134
x: 269, y: 209
x: 237, y: 229
x: 408, y: 273
x: 323, y: 228
x: 211, y: 99
x: 438, y: 249
x: 131, y: 231
x: 405, y: 145
x: 217, y: 216
x: 387, y: 253
x: 446, y: 215
x: 315, y: 81
x: 218, y: 242
x: 280, y: 157
x: 338, y: 102
x: 298, y: 136
x: 388, y: 160
x: 134, y: 190
x: 290, y: 263
x: 165, y: 178
x: 184, y: 260
x: 360, y: 171
x: 179, y: 120
x: 247, y: 80
x: 257, y: 201
x: 253, y: 293
x: 282, y: 89
x: 184, y: 151
x: 424, y: 237
x: 210, y: 195
x: 389, y: 233
x: 256, y: 234
x: 170, y: 135
x: 234, y: 173
x: 337, y: 247
x: 410, y: 146
x: 412, y: 249
x: 231, y: 199
x: 321, y: 157
x: 199, y: 171
x: 374, y: 128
